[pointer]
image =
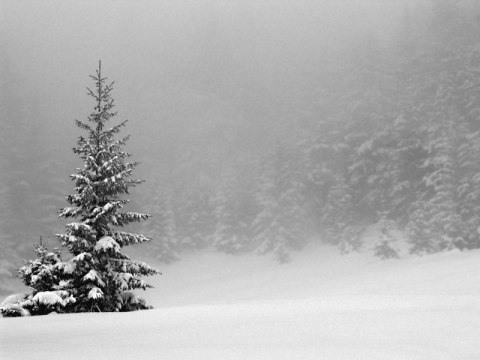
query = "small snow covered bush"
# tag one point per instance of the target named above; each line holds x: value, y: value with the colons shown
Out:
x: 45, y: 302
x: 44, y: 275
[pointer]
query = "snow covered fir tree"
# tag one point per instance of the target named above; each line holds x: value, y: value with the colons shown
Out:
x: 98, y: 277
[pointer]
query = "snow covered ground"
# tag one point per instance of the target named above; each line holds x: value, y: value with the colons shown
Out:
x: 320, y: 306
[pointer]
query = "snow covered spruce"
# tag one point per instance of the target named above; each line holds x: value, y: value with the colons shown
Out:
x: 98, y: 277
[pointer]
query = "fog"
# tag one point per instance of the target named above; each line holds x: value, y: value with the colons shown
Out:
x: 206, y: 80
x: 247, y: 59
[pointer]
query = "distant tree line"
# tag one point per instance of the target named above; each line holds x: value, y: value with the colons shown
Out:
x: 392, y: 135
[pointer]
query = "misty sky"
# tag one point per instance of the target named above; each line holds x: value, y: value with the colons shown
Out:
x: 244, y: 60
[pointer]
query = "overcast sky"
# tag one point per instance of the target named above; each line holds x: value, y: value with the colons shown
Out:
x: 167, y: 55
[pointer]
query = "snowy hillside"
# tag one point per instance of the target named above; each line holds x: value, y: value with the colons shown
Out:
x: 320, y: 306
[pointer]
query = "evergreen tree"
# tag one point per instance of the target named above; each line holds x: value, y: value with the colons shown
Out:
x: 468, y: 192
x: 281, y: 223
x: 45, y: 276
x: 350, y: 238
x: 194, y: 216
x: 337, y: 215
x: 193, y: 183
x: 159, y: 203
x: 442, y: 184
x: 418, y: 230
x: 442, y: 87
x: 234, y: 213
x: 383, y: 248
x: 101, y: 275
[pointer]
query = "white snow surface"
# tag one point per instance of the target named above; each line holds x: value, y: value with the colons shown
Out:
x: 320, y: 306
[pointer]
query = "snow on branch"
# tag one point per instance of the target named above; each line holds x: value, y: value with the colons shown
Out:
x: 95, y: 293
x: 76, y: 226
x: 125, y: 239
x: 106, y: 243
x: 81, y: 257
x: 122, y: 280
x: 92, y: 275
x: 69, y: 212
x: 51, y: 298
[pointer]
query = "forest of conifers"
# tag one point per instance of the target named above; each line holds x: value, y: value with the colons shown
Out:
x: 391, y: 133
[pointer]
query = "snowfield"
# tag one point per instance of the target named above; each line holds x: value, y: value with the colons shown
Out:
x: 320, y: 306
